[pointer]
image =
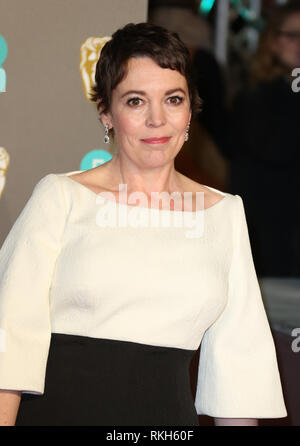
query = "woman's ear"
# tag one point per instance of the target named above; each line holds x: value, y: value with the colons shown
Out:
x: 105, y: 118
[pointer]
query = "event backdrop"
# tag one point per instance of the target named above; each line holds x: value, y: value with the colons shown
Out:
x: 47, y: 125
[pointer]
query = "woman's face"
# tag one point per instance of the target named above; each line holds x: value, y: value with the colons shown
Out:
x: 287, y: 44
x: 150, y: 102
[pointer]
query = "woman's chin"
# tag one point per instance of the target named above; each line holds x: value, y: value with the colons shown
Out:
x: 156, y: 158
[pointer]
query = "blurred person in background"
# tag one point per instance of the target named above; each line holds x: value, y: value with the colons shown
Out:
x: 264, y: 140
x: 202, y: 156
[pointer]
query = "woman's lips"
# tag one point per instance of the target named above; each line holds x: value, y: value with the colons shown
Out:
x: 156, y: 140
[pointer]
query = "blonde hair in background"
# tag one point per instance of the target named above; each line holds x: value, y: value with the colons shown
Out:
x: 265, y: 66
x: 4, y: 163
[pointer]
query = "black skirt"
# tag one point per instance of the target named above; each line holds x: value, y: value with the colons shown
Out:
x: 105, y: 382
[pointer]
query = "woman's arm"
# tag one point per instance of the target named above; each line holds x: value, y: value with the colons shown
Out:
x: 236, y: 422
x: 9, y: 406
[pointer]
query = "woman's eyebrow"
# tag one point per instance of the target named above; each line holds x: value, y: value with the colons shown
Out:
x: 144, y: 93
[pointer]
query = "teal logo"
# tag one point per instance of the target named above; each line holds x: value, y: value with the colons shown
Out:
x: 94, y: 158
x: 3, y: 54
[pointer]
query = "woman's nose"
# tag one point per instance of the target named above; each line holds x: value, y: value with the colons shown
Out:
x: 155, y: 116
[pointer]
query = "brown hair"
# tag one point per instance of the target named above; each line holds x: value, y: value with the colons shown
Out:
x: 265, y: 65
x: 140, y: 40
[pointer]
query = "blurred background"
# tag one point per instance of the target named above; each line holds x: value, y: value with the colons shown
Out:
x: 246, y: 141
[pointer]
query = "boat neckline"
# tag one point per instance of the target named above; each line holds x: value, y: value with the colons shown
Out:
x: 148, y: 209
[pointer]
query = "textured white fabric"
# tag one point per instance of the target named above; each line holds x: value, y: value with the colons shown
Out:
x: 238, y: 374
x: 61, y: 272
x: 27, y: 259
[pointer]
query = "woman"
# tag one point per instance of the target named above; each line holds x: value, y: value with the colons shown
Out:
x: 102, y: 319
x: 264, y: 140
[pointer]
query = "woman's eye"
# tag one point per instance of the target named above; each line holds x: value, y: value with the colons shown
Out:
x: 175, y: 100
x: 134, y: 101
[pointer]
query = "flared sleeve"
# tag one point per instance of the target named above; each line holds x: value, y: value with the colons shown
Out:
x: 27, y: 260
x: 238, y: 375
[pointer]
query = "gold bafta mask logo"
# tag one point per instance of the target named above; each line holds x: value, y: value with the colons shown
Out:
x: 4, y: 163
x: 89, y: 54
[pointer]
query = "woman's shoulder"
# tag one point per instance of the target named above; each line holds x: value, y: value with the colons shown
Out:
x: 94, y: 180
x: 97, y: 179
x: 211, y: 195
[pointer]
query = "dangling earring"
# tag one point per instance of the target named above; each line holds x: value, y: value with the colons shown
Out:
x: 106, y: 137
x: 187, y: 132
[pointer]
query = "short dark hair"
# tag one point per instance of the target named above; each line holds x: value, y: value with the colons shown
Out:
x: 140, y: 40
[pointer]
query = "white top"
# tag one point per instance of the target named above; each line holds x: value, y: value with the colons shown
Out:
x: 62, y: 270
